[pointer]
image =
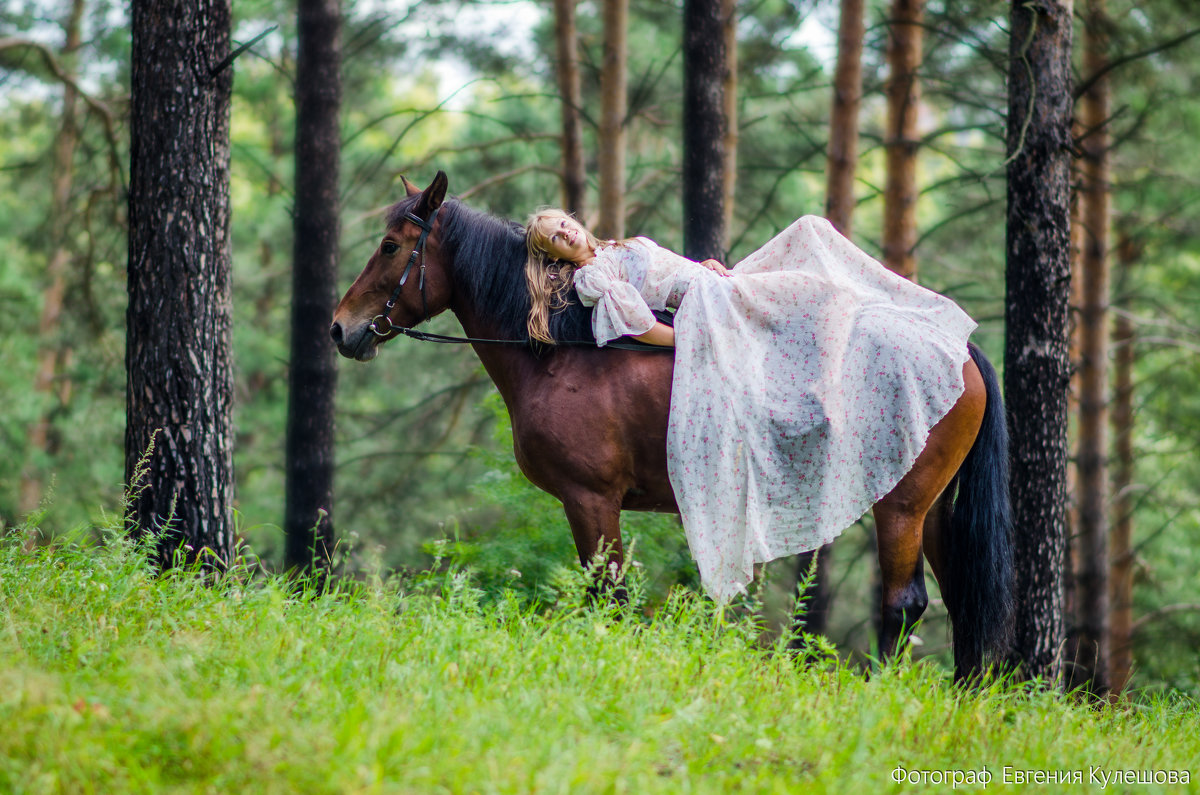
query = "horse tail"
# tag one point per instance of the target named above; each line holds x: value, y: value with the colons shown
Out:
x: 978, y: 587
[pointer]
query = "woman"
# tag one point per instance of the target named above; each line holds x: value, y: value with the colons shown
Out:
x: 806, y: 379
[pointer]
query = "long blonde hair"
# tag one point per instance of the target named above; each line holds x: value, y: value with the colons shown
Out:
x: 549, y: 279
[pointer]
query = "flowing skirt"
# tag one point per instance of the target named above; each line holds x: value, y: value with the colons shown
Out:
x: 805, y: 387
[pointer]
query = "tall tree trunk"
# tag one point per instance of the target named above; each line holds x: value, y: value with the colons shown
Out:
x: 613, y: 107
x: 729, y: 20
x: 574, y: 179
x: 703, y: 130
x: 840, y: 167
x: 1070, y: 649
x: 1091, y: 580
x: 900, y: 140
x: 1037, y: 276
x: 1120, y: 551
x: 312, y: 377
x: 179, y: 391
x: 843, y: 126
x: 903, y: 89
x: 51, y: 356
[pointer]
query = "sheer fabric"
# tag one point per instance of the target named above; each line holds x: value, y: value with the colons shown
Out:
x: 805, y: 386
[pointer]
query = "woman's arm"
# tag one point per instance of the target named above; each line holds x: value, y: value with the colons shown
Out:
x: 659, y: 334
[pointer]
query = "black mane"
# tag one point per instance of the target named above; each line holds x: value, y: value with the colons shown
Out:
x: 488, y: 256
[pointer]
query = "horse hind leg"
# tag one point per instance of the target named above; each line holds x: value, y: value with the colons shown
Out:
x: 900, y: 517
x: 937, y: 524
x: 906, y: 539
x: 902, y: 573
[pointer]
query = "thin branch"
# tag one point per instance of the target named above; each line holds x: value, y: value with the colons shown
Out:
x: 434, y: 154
x: 231, y: 57
x: 505, y: 176
x: 364, y: 174
x: 99, y: 108
x: 1163, y: 611
x: 951, y: 218
x: 1023, y: 55
x: 1086, y: 85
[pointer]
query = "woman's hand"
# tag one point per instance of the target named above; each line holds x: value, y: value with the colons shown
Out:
x: 716, y: 267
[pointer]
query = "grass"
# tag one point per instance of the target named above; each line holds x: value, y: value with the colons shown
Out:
x: 114, y: 679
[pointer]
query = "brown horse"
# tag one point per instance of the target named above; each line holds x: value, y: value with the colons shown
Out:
x: 590, y: 424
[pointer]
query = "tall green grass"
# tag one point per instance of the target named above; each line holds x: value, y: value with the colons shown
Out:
x: 116, y: 679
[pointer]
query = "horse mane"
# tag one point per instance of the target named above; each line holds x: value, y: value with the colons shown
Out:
x: 488, y: 258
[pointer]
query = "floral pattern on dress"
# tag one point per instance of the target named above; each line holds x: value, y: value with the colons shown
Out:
x: 805, y: 386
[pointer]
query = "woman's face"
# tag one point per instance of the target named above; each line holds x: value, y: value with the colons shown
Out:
x: 565, y: 238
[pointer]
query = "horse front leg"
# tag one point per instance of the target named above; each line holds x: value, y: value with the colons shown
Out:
x: 595, y: 521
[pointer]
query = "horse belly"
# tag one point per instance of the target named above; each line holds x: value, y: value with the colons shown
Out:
x: 600, y: 427
x: 656, y: 500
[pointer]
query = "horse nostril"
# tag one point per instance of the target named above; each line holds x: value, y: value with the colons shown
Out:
x: 335, y: 333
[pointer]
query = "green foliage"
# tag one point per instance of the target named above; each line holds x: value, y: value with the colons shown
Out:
x: 117, y: 680
x: 84, y: 404
x: 516, y: 538
x: 423, y: 446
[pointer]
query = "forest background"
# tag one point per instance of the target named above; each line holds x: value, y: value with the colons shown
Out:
x: 424, y: 465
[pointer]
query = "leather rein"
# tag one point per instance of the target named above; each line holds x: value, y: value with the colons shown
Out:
x: 418, y: 256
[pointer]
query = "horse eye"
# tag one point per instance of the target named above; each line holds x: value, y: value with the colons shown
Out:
x: 389, y: 247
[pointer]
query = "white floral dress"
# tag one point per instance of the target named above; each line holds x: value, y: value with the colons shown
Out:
x: 805, y: 386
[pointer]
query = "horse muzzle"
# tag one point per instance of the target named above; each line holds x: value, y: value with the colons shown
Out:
x: 360, y: 343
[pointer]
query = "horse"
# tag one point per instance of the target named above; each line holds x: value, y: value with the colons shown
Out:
x: 590, y: 424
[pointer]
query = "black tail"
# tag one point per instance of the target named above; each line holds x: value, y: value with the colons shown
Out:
x: 978, y: 577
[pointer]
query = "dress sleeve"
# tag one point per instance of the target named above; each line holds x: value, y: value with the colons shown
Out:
x: 619, y: 308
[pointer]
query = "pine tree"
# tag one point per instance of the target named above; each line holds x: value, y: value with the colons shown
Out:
x: 179, y: 391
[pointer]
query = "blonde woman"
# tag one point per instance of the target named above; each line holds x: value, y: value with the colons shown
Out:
x: 558, y: 246
x: 806, y: 379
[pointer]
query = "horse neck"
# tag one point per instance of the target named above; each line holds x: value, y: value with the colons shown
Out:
x: 513, y: 368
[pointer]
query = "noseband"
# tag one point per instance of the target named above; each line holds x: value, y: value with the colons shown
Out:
x: 416, y: 256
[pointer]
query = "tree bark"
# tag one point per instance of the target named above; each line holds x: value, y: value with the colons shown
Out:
x: 1037, y: 275
x: 1091, y: 573
x: 729, y: 20
x: 843, y: 126
x: 312, y: 376
x: 51, y: 355
x: 1072, y: 509
x: 179, y: 384
x: 1120, y: 551
x: 613, y: 107
x: 901, y: 139
x: 574, y: 176
x: 703, y: 130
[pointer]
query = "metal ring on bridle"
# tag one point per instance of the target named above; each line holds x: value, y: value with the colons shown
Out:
x: 374, y: 326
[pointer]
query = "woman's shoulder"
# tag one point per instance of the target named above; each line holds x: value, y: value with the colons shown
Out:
x: 618, y: 246
x: 603, y: 265
x: 619, y: 252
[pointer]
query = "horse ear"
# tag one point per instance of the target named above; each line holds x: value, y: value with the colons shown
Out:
x: 435, y: 194
x: 409, y: 188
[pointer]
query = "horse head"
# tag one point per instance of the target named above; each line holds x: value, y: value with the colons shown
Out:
x: 405, y: 281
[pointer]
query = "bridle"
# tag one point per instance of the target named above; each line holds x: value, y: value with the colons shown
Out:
x: 413, y: 258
